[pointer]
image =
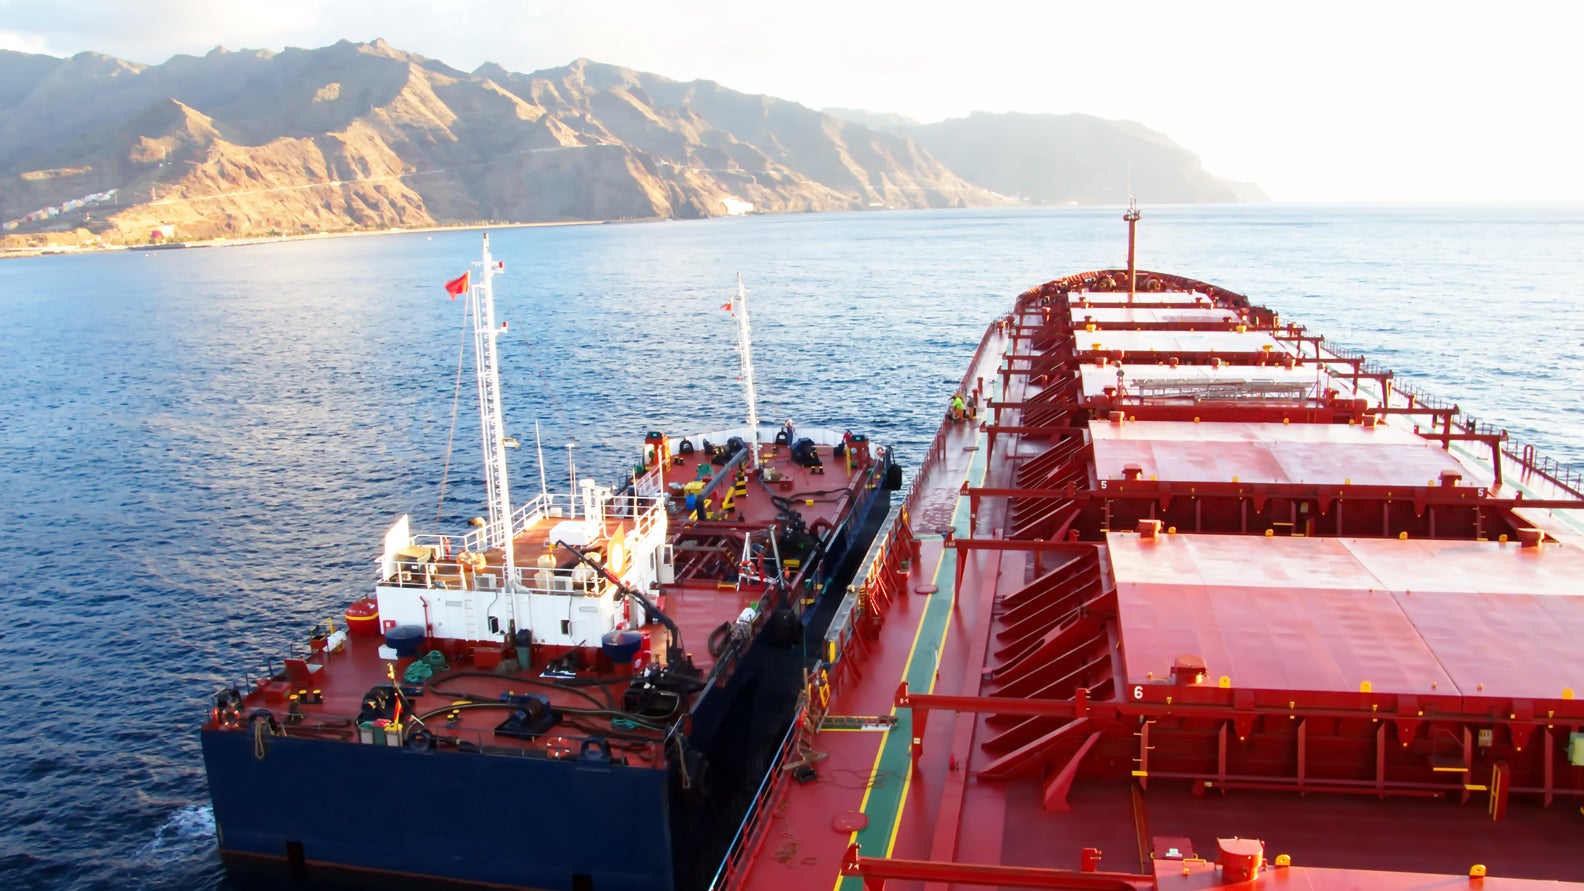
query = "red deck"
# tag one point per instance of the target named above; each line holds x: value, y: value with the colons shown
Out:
x: 1341, y: 638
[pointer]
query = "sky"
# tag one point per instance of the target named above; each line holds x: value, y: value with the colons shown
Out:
x: 1385, y: 101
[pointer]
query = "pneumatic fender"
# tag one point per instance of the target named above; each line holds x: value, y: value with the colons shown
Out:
x: 785, y: 629
x: 698, y: 772
x: 893, y: 479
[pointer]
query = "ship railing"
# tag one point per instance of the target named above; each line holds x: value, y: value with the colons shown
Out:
x: 844, y: 623
x: 1566, y: 477
x: 1418, y: 398
x: 271, y: 668
x: 568, y: 581
x: 824, y: 436
x: 249, y: 682
x: 646, y: 511
x: 749, y: 838
x: 1531, y: 463
x: 532, y: 511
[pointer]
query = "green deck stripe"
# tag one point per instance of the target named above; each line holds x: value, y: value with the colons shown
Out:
x: 894, y: 767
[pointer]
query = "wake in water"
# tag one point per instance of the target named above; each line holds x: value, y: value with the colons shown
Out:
x: 186, y: 835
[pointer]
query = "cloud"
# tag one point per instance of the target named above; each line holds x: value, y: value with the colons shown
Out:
x: 22, y: 43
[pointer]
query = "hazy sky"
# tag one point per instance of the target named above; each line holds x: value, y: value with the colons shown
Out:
x: 1333, y: 101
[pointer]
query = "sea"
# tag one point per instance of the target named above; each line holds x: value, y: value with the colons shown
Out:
x: 201, y: 449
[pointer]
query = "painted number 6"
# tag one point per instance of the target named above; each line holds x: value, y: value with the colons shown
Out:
x: 1138, y: 692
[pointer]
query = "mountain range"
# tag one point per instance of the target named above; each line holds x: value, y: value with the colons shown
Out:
x: 366, y: 136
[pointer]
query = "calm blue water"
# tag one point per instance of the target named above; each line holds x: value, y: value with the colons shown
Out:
x: 200, y: 449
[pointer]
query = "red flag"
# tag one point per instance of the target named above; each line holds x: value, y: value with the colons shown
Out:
x: 726, y: 306
x: 457, y: 285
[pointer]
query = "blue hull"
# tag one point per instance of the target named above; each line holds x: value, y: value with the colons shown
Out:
x: 492, y: 819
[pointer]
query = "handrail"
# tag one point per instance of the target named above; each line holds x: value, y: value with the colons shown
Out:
x: 1567, y: 477
x: 745, y: 842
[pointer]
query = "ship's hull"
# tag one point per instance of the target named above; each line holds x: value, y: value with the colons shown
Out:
x: 330, y: 813
x: 479, y: 818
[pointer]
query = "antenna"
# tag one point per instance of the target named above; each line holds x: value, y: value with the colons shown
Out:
x: 481, y: 298
x: 571, y: 482
x: 739, y: 310
x: 1132, y: 218
x: 544, y: 489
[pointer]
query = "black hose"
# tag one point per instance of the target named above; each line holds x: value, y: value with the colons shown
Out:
x: 430, y: 684
x: 719, y: 638
x: 612, y: 731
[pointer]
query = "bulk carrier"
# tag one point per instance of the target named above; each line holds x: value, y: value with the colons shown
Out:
x: 582, y: 691
x: 1196, y: 600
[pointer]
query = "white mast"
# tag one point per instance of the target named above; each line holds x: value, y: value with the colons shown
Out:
x: 745, y: 352
x: 482, y: 296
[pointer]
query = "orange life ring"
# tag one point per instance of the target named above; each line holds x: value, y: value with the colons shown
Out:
x: 558, y: 747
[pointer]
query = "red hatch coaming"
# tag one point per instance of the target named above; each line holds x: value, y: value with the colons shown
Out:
x: 1303, y: 617
x: 1271, y: 453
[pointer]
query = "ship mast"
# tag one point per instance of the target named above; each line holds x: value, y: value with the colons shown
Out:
x: 1132, y: 217
x: 498, y: 534
x: 745, y: 352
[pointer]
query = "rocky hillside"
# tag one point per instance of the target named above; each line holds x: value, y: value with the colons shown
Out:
x: 353, y: 136
x: 364, y: 135
x: 1065, y: 159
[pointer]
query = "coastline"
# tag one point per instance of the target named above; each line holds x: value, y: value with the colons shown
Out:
x: 54, y: 250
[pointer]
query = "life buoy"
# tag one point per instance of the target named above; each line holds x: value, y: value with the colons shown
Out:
x: 558, y: 747
x: 228, y: 710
